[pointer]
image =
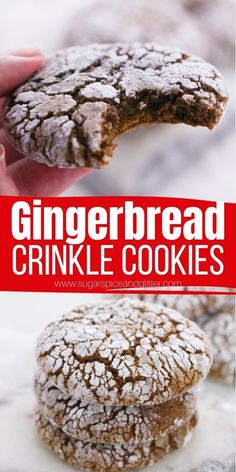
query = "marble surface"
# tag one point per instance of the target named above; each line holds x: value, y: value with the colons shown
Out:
x: 23, y: 316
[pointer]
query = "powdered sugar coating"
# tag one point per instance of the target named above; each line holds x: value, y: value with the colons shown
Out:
x: 69, y: 113
x: 125, y: 352
x: 111, y: 457
x: 99, y: 423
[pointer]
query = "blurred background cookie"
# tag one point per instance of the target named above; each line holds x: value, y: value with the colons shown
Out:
x: 215, y: 314
x: 70, y: 112
x: 99, y: 457
x: 161, y: 21
x: 114, y: 385
x: 166, y: 161
x: 216, y: 18
x: 124, y: 352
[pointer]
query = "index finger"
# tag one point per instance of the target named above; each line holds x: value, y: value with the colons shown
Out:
x: 14, y: 70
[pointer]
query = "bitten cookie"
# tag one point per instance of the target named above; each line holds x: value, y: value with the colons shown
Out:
x: 111, y: 457
x: 69, y: 113
x: 125, y: 352
x: 103, y: 424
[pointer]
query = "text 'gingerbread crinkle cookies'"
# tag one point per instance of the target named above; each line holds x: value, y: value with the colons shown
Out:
x: 99, y: 457
x: 125, y: 352
x: 110, y: 424
x: 69, y: 113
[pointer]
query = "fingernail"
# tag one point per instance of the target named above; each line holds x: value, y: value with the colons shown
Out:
x: 2, y: 158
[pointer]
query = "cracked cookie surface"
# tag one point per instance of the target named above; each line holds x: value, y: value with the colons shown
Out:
x: 99, y: 423
x: 125, y: 352
x: 111, y: 457
x: 69, y: 113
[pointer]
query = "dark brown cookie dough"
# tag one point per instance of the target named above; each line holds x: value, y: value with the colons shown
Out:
x: 99, y: 423
x: 70, y: 112
x: 125, y: 352
x: 111, y: 457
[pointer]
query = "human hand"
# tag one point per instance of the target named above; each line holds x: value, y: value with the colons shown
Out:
x: 20, y: 175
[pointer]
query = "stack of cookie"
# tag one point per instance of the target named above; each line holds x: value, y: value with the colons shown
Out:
x: 114, y: 384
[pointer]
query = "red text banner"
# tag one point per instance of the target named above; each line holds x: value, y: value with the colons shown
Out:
x: 116, y: 244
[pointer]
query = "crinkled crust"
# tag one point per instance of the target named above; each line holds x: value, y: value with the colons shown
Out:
x: 99, y: 423
x: 124, y: 352
x: 111, y: 457
x: 69, y: 113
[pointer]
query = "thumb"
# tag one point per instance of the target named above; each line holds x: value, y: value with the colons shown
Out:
x: 14, y: 70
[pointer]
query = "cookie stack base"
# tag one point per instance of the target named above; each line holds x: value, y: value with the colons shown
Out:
x: 98, y: 457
